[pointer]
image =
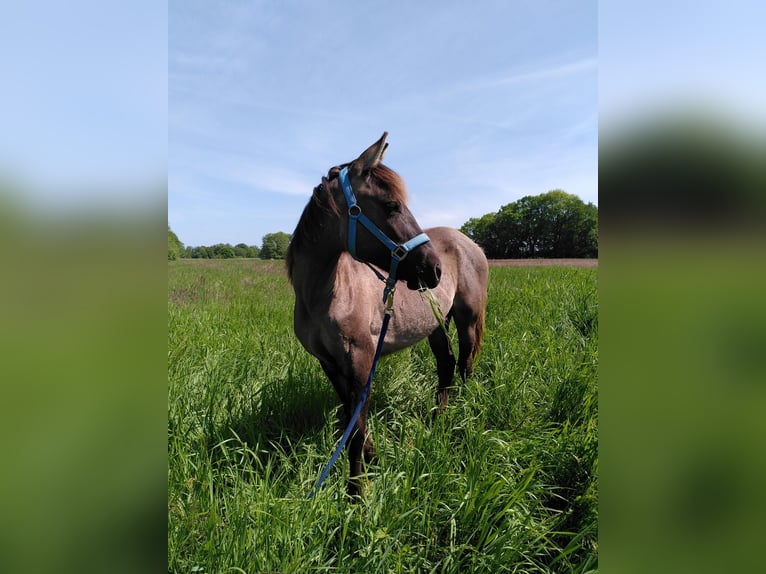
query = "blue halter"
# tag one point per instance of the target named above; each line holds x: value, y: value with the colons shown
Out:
x: 398, y: 251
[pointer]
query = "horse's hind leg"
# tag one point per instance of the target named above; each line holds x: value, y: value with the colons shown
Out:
x: 470, y: 330
x: 445, y: 364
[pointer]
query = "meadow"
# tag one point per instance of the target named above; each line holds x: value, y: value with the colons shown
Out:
x: 505, y: 480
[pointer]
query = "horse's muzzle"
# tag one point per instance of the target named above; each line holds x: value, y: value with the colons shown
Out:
x: 428, y: 274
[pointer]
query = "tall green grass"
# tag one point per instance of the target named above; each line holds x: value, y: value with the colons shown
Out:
x: 505, y: 480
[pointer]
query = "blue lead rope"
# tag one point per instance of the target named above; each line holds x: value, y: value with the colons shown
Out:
x: 362, y: 400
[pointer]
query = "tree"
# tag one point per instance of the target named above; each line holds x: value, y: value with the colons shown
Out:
x: 175, y: 247
x: 483, y: 231
x: 275, y: 245
x: 222, y: 251
x: 200, y: 252
x: 554, y: 224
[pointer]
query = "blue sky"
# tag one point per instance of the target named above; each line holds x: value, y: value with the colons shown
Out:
x: 660, y: 55
x: 83, y: 103
x: 484, y: 102
x: 246, y: 104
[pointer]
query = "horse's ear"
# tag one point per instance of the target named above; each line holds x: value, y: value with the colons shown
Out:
x: 370, y: 157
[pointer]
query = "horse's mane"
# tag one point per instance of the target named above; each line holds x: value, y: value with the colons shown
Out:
x: 389, y: 179
x: 322, y: 207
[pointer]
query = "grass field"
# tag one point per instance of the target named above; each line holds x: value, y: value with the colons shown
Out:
x: 506, y: 480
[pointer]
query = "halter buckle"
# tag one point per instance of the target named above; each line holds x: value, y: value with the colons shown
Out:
x: 400, y: 252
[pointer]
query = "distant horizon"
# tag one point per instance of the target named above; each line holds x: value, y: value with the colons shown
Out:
x: 291, y: 231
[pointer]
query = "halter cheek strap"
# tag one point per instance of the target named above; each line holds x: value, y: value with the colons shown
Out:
x: 398, y: 250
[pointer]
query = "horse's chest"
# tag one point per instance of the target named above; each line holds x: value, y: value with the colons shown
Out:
x: 407, y: 329
x: 312, y: 330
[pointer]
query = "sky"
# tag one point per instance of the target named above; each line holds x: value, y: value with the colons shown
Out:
x: 237, y: 108
x: 83, y: 103
x: 485, y: 102
x: 658, y: 55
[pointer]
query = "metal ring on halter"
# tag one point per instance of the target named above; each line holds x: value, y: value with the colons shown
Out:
x: 354, y: 211
x: 400, y: 252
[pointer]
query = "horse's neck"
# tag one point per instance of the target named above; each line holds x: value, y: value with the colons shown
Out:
x: 314, y: 274
x: 315, y: 250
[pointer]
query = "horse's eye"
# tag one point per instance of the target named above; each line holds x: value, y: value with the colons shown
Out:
x: 392, y: 206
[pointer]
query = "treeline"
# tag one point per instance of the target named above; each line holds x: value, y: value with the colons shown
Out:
x: 220, y: 251
x: 552, y: 225
x: 274, y: 246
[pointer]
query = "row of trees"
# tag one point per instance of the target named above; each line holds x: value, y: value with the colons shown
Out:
x: 220, y: 251
x: 274, y: 246
x: 554, y: 224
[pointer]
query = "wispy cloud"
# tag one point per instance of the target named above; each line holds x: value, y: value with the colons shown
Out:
x: 269, y: 178
x: 528, y: 76
x: 547, y: 73
x: 255, y: 174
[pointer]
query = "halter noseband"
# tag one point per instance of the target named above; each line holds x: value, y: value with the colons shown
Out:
x: 398, y: 250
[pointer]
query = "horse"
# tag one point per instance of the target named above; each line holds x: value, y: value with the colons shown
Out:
x: 335, y: 273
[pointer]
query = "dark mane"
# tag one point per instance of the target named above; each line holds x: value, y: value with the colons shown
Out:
x: 315, y: 215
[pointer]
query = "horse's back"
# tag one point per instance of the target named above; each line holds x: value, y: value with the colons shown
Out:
x: 468, y: 259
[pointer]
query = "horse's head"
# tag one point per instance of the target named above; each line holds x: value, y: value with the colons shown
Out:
x: 380, y: 198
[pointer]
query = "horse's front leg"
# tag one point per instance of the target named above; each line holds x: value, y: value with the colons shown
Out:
x: 360, y: 442
x: 359, y: 445
x: 349, y: 376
